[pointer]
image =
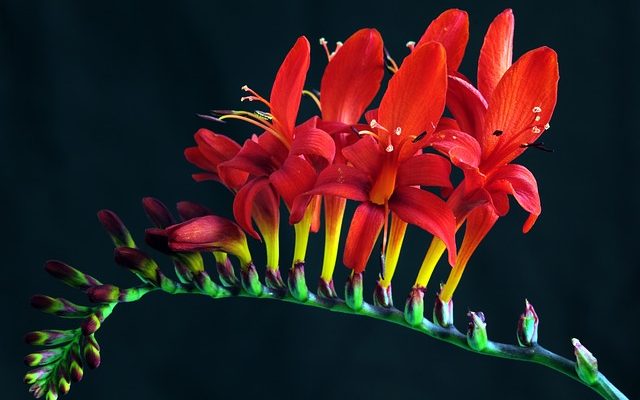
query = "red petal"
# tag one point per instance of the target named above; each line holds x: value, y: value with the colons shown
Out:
x: 467, y: 106
x: 518, y: 181
x: 463, y: 150
x: 195, y: 157
x: 216, y: 148
x: 273, y: 146
x: 365, y: 155
x: 496, y: 54
x: 366, y: 224
x: 245, y: 204
x: 352, y: 77
x: 427, y: 211
x: 447, y: 123
x: 424, y: 170
x: 343, y: 181
x: 205, y: 233
x: 251, y: 158
x: 295, y: 177
x: 531, y: 82
x: 451, y: 28
x: 315, y: 144
x: 287, y: 87
x: 415, y: 97
x: 479, y: 223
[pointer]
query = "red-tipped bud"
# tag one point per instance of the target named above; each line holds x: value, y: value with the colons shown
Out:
x: 327, y: 289
x: 528, y: 326
x: 115, y: 228
x: 64, y: 381
x: 75, y: 364
x: 225, y: 269
x: 206, y: 284
x: 51, y: 337
x: 382, y: 296
x: 414, y: 307
x: 43, y: 357
x: 443, y: 312
x: 59, y: 306
x: 297, y: 283
x: 586, y: 363
x: 157, y: 212
x: 353, y: 291
x: 190, y: 210
x: 90, y: 325
x: 70, y: 275
x: 138, y: 262
x: 104, y: 294
x: 210, y: 233
x: 91, y: 352
x: 477, y: 332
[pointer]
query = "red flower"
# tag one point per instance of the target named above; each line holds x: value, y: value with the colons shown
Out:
x: 384, y: 166
x: 495, y: 125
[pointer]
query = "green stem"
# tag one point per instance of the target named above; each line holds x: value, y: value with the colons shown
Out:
x: 536, y: 354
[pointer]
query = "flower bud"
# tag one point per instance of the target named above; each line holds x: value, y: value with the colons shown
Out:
x: 353, y: 291
x: 528, y: 326
x: 443, y: 312
x: 43, y: 357
x: 297, y: 283
x: 414, y: 307
x: 75, y: 364
x: 225, y: 269
x: 90, y: 325
x: 250, y: 280
x: 116, y: 229
x: 35, y: 375
x: 91, y: 352
x: 327, y: 289
x: 204, y: 283
x: 138, y: 262
x: 382, y: 296
x: 273, y: 279
x: 59, y: 306
x: 586, y: 363
x: 63, y: 379
x: 50, y: 337
x: 104, y: 294
x: 70, y: 275
x: 477, y: 332
x: 157, y: 212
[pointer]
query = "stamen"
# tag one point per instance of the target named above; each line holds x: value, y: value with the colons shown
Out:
x: 392, y: 66
x: 330, y: 54
x: 411, y: 45
x: 536, y: 130
x: 264, y: 115
x: 398, y: 131
x: 389, y: 148
x: 314, y: 97
x: 547, y: 126
x: 537, y: 145
x: 374, y: 124
x: 254, y: 96
x: 210, y: 118
x: 536, y: 109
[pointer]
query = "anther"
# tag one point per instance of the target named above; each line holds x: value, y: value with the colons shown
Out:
x: 537, y: 109
x: 537, y: 118
x: 375, y: 124
x: 389, y: 148
x: 547, y: 126
x: 536, y: 130
x: 411, y: 45
x: 537, y: 145
x: 398, y: 131
x: 264, y: 115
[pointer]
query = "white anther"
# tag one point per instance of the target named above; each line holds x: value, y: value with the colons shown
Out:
x: 375, y: 124
x: 389, y: 148
x: 535, y: 129
x: 322, y: 41
x: 411, y: 44
x: 547, y: 126
x: 246, y: 98
x: 537, y: 109
x: 245, y: 88
x: 398, y: 131
x: 537, y: 118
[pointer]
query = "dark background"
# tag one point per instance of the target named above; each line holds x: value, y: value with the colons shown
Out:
x: 97, y: 103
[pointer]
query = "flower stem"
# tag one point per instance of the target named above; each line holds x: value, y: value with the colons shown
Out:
x: 536, y: 354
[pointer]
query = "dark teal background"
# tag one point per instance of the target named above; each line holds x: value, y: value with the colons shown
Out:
x: 98, y: 101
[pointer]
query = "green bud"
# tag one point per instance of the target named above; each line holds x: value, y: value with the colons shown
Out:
x: 225, y: 269
x: 273, y: 279
x: 51, y: 337
x: 70, y: 275
x: 353, y: 291
x: 382, y: 296
x: 326, y: 289
x: 528, y: 326
x: 443, y: 312
x: 297, y: 283
x: 586, y: 363
x: 251, y: 280
x: 60, y: 307
x: 414, y: 307
x: 206, y: 285
x: 43, y: 357
x: 477, y: 332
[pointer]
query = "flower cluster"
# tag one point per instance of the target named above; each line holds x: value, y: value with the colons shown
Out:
x: 397, y: 165
x: 397, y: 168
